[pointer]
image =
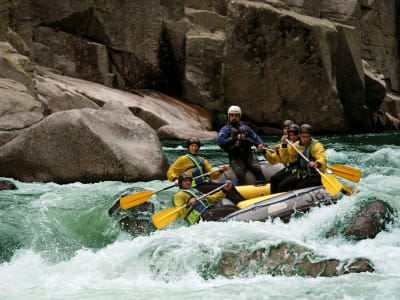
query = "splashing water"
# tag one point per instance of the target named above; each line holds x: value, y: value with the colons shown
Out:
x: 58, y: 242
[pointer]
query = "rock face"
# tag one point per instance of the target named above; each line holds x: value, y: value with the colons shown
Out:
x: 314, y: 48
x: 303, y: 60
x: 272, y: 57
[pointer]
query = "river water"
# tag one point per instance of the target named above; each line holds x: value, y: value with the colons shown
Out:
x: 58, y: 242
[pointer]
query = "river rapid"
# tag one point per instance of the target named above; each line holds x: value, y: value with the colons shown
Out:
x: 58, y: 242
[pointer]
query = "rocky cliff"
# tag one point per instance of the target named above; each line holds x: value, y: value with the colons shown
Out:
x: 177, y: 66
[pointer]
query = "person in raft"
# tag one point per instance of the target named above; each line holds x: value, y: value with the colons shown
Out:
x: 199, y: 208
x: 197, y: 165
x: 236, y: 139
x: 305, y: 174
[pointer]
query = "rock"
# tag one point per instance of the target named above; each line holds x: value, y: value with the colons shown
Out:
x: 7, y: 185
x: 84, y: 145
x: 135, y: 220
x: 370, y: 220
x: 366, y: 222
x: 16, y: 67
x: 286, y: 259
x: 171, y: 118
x: 135, y: 226
x: 311, y: 49
x: 18, y: 108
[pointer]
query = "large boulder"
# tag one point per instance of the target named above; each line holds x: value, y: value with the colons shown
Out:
x: 365, y: 222
x: 170, y: 117
x: 85, y: 145
x: 18, y: 108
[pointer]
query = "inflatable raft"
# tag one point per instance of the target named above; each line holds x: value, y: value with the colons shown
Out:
x: 267, y: 169
x: 252, y: 191
x: 280, y: 205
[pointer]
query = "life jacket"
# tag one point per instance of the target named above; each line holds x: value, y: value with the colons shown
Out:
x: 291, y: 167
x: 195, y: 211
x: 198, y: 170
x: 242, y: 144
x: 302, y: 168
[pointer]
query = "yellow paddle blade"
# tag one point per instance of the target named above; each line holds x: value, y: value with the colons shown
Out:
x: 346, y: 172
x: 246, y: 203
x: 132, y: 200
x: 331, y: 184
x: 166, y: 216
x: 347, y: 190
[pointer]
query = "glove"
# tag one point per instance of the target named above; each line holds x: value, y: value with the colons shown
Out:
x: 224, y: 168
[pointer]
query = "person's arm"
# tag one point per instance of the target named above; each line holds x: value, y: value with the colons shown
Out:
x: 180, y: 199
x: 287, y: 153
x: 208, y: 168
x: 319, y: 154
x: 218, y: 196
x: 273, y: 157
x: 224, y: 139
x: 258, y: 142
x: 182, y: 164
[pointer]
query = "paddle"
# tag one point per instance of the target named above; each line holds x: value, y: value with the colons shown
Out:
x: 138, y: 198
x: 269, y: 149
x: 346, y: 172
x: 332, y: 185
x: 166, y: 216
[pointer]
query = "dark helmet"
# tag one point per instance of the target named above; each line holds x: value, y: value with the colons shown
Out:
x: 287, y: 123
x: 306, y: 128
x: 184, y: 176
x: 294, y: 128
x: 193, y: 141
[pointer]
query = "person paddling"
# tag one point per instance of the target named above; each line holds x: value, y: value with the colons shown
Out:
x: 293, y: 134
x: 305, y: 175
x: 237, y: 139
x: 197, y: 208
x: 285, y: 126
x: 196, y: 165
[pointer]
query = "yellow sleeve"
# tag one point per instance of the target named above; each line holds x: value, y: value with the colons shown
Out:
x: 182, y: 164
x: 289, y: 154
x: 273, y: 157
x: 180, y: 199
x: 319, y: 154
x: 209, y: 168
x: 214, y: 198
x: 216, y: 171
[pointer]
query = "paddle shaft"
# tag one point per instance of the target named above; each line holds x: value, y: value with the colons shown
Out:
x: 304, y: 157
x: 194, y: 178
x: 160, y: 216
x: 212, y: 192
x: 334, y: 186
x: 132, y: 200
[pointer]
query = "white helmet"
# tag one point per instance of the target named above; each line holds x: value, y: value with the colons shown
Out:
x: 234, y: 110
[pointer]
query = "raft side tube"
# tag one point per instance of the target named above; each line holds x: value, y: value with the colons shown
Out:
x: 283, y: 205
